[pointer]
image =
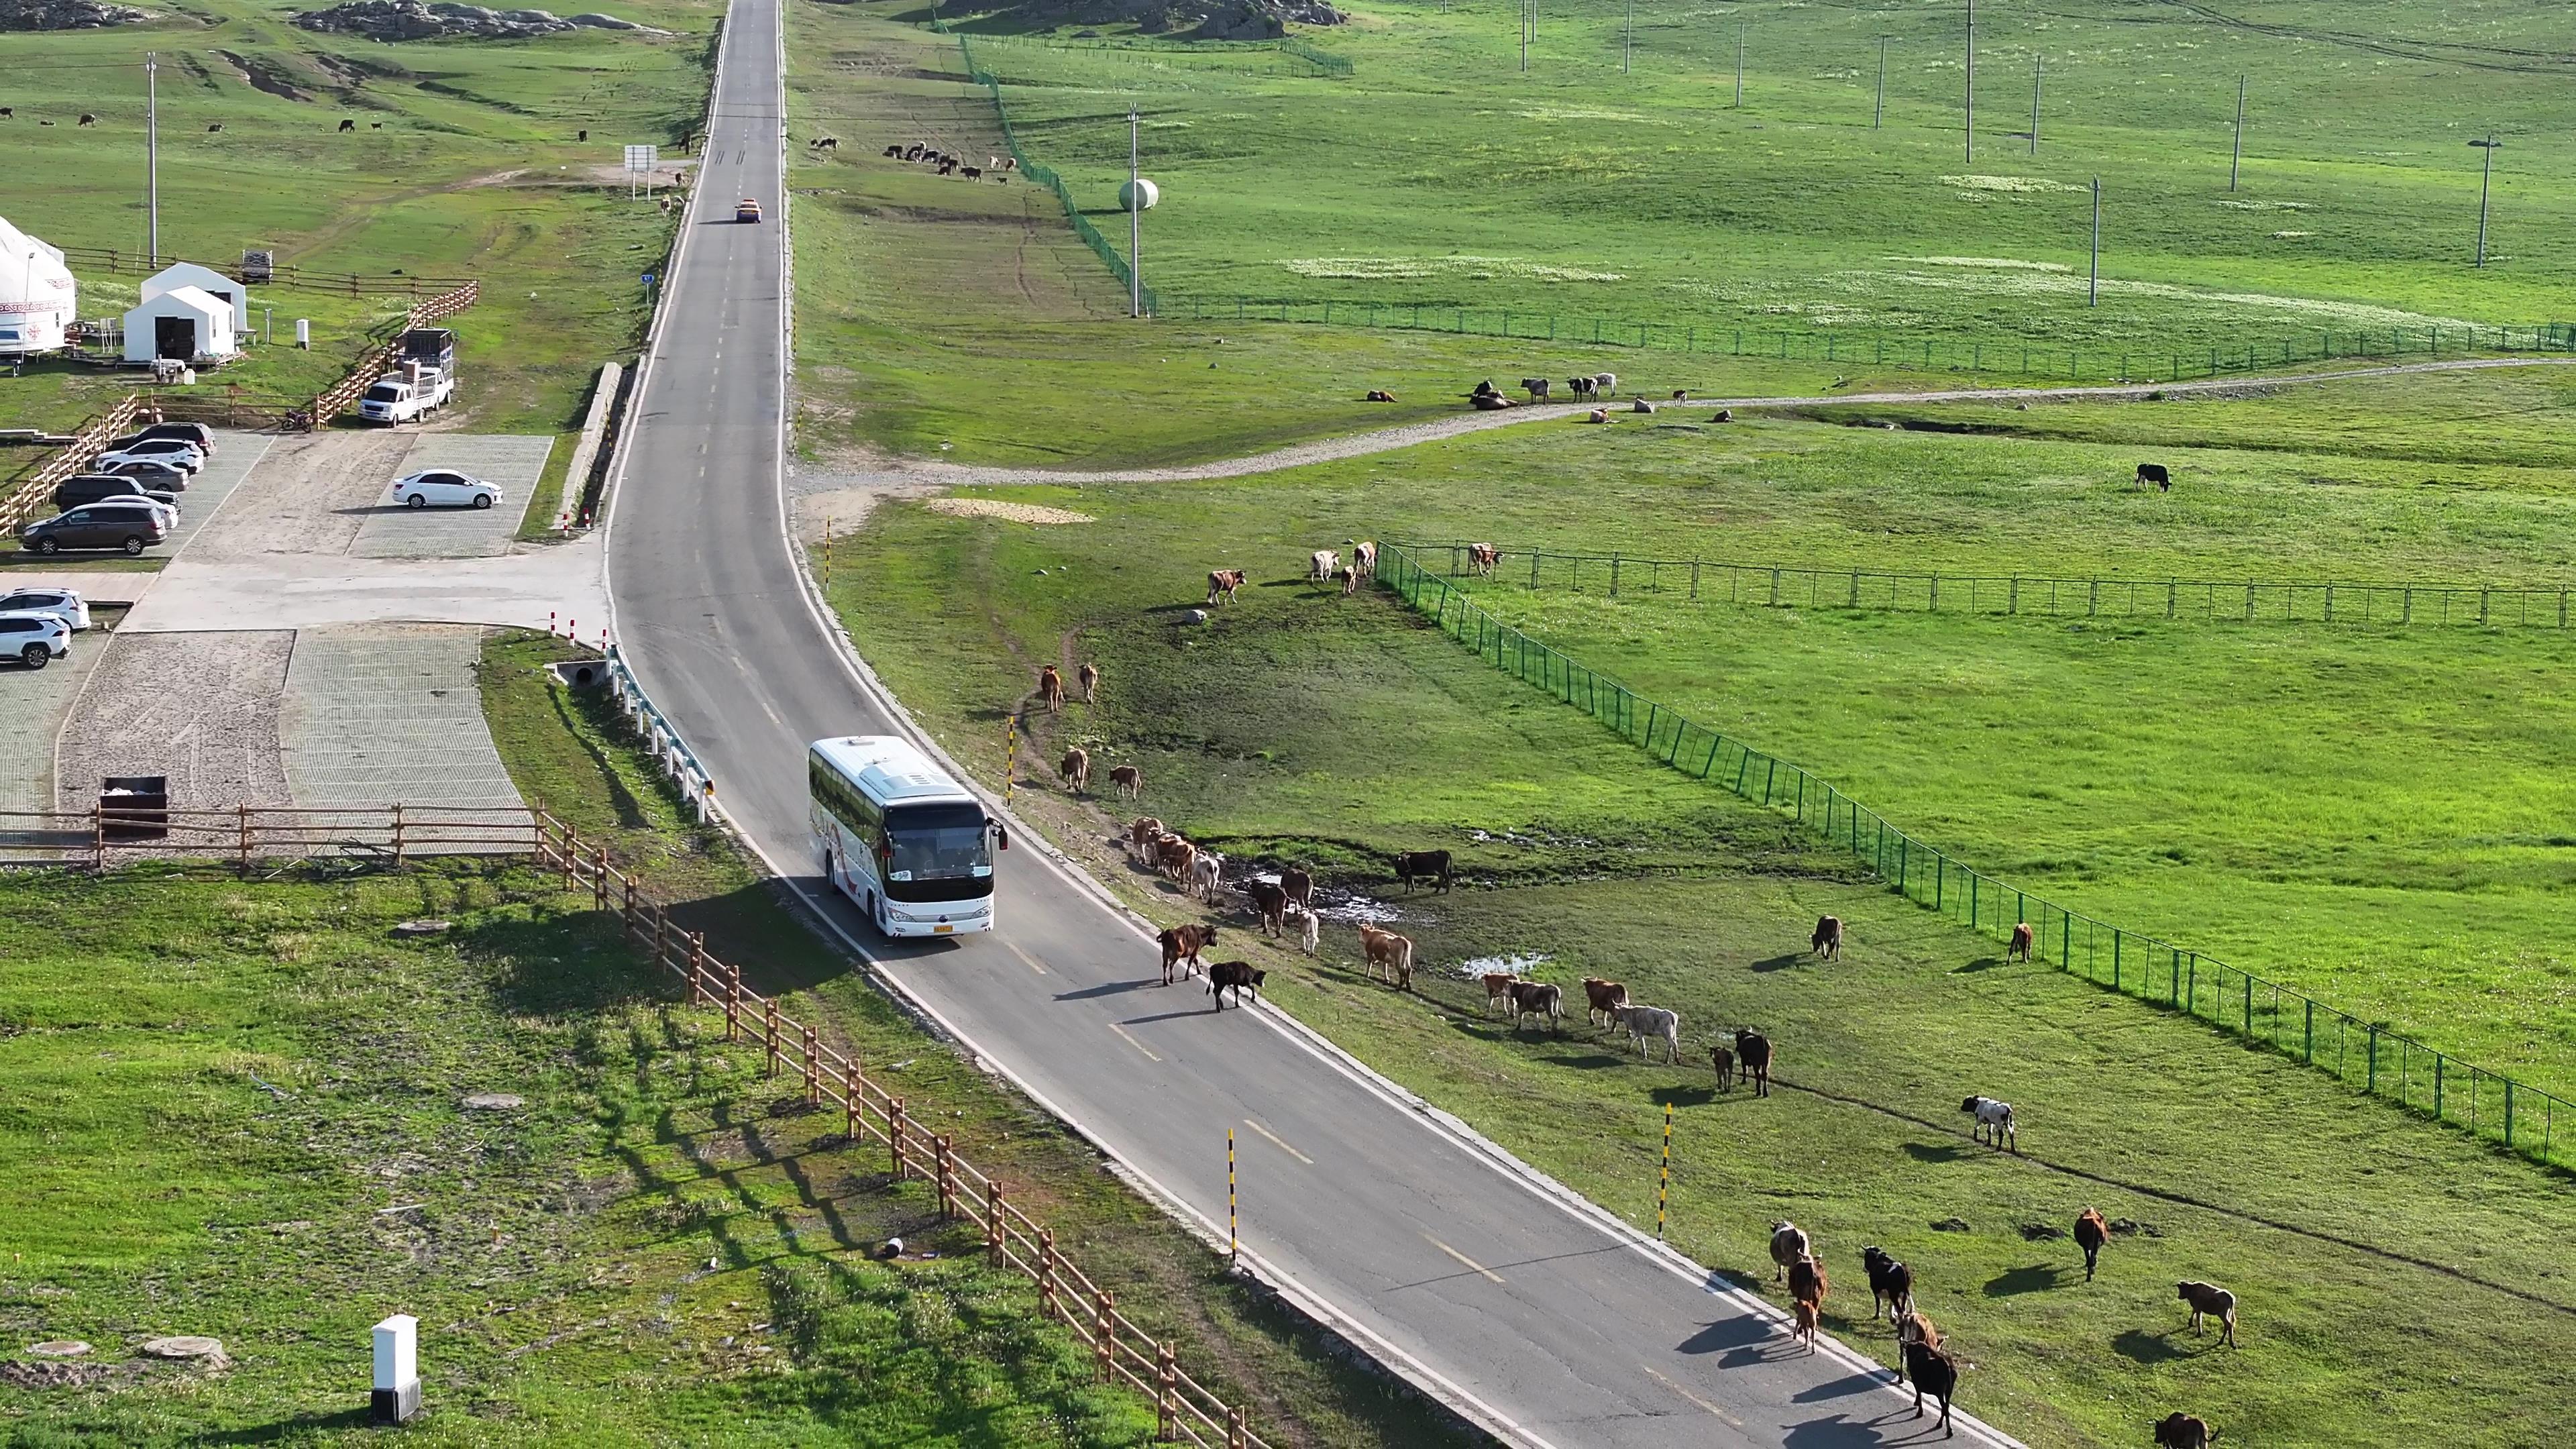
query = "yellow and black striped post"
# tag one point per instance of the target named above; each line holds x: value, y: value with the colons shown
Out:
x: 1233, y: 1234
x: 1664, y: 1184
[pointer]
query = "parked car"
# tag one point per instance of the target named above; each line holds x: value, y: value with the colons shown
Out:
x: 159, y: 450
x: 198, y: 433
x: 132, y: 527
x: 746, y: 209
x: 34, y: 640
x: 63, y: 604
x: 445, y: 487
x: 100, y: 487
x: 400, y: 397
x: 151, y: 473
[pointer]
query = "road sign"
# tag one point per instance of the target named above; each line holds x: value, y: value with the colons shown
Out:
x: 640, y: 161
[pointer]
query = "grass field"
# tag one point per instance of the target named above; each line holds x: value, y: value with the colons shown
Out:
x: 475, y: 173
x: 1338, y: 731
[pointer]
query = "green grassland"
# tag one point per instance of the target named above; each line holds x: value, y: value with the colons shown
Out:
x: 475, y: 173
x: 1300, y: 725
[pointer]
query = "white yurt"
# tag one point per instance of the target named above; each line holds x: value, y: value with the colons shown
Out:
x: 205, y: 279
x: 36, y: 294
x: 185, y: 324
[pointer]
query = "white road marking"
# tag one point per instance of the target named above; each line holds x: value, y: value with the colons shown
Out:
x: 1131, y: 1041
x: 1728, y: 1418
x: 1463, y: 1258
x: 1275, y: 1142
x: 1034, y: 963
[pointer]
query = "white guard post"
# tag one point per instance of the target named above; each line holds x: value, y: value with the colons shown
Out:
x: 397, y: 1395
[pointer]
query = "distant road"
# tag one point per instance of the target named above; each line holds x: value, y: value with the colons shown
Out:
x: 1532, y: 1313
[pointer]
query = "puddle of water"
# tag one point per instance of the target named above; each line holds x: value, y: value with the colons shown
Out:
x: 1518, y: 964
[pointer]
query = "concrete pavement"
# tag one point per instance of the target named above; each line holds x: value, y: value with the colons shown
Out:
x: 1540, y: 1318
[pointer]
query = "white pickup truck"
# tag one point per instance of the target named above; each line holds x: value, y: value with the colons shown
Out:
x: 402, y: 397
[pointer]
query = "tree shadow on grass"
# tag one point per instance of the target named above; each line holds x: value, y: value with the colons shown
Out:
x: 2030, y: 1278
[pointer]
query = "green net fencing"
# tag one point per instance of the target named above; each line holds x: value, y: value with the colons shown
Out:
x: 2363, y: 1054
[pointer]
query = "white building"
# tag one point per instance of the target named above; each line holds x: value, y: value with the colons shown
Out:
x: 184, y: 323
x: 36, y: 294
x: 205, y: 279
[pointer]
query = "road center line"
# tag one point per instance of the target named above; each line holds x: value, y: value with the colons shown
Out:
x: 1131, y: 1041
x: 1275, y: 1142
x: 1033, y: 962
x: 1694, y: 1398
x: 1463, y: 1258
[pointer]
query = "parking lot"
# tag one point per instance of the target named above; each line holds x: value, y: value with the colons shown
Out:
x: 511, y: 461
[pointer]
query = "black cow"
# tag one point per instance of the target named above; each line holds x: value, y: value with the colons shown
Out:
x: 1891, y: 1283
x: 1299, y: 885
x: 2155, y: 473
x: 1753, y: 1059
x: 1238, y: 976
x: 1431, y: 865
x: 347, y: 125
x: 1933, y: 1372
x: 1270, y: 903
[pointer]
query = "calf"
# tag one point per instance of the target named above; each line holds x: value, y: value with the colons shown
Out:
x: 2208, y: 1300
x: 1753, y: 1059
x: 1388, y: 953
x: 947, y: 168
x: 1269, y: 906
x: 1310, y: 932
x: 1827, y: 942
x: 1431, y: 865
x: 1536, y: 387
x: 1350, y: 578
x: 1076, y: 769
x: 1207, y: 875
x: 2183, y: 1431
x: 1891, y: 1283
x: 2155, y: 473
x: 1141, y: 836
x: 1498, y: 989
x: 1789, y: 1244
x: 347, y: 125
x: 1364, y: 557
x: 1645, y: 1023
x: 1538, y: 998
x: 1236, y: 976
x: 1484, y: 556
x: 1807, y: 1282
x: 1129, y: 780
x: 1088, y: 677
x: 1935, y: 1373
x: 1724, y: 1060
x: 2090, y: 1234
x: 2021, y: 943
x: 1802, y: 1324
x: 1223, y: 585
x: 1050, y: 687
x: 1994, y: 1124
x: 1322, y: 564
x: 1176, y: 857
x: 1181, y: 946
x: 1602, y: 998
x: 87, y: 119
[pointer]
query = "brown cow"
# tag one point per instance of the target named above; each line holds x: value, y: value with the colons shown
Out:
x: 1269, y: 905
x: 1753, y: 1059
x: 1076, y: 769
x: 1237, y: 976
x: 1431, y: 865
x: 1364, y: 557
x: 1181, y: 946
x: 1176, y: 857
x: 1724, y: 1060
x: 1807, y: 1288
x: 1484, y: 556
x: 2207, y: 1301
x: 1828, y: 939
x: 2179, y: 1430
x: 1088, y: 676
x: 1350, y: 578
x: 1603, y: 998
x: 1050, y: 688
x: 1380, y: 395
x: 2022, y: 939
x: 1498, y: 988
x: 1129, y: 780
x: 1223, y: 585
x: 2090, y: 1234
x: 1803, y: 1324
x: 1141, y: 836
x: 1538, y: 998
x: 1388, y: 952
x: 1299, y: 885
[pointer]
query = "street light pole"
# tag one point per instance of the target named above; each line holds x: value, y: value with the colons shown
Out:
x: 1878, y: 108
x: 152, y: 153
x: 1971, y: 93
x: 2486, y: 175
x: 2035, y: 65
x: 1628, y: 41
x: 2236, y: 157
x: 1135, y: 225
x: 1739, y: 67
x: 2093, y: 285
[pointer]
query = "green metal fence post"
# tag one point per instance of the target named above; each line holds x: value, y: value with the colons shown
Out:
x: 2308, y: 1043
x: 2372, y: 1080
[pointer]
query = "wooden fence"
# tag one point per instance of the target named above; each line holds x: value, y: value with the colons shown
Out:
x: 102, y: 836
x: 1185, y: 1410
x: 38, y: 486
x: 119, y: 262
x: 374, y: 365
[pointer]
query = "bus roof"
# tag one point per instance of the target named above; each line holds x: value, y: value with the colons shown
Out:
x: 890, y: 770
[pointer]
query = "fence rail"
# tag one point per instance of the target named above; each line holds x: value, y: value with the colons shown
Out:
x: 2252, y: 601
x: 363, y: 373
x: 2364, y: 1054
x: 104, y: 835
x: 1186, y: 1410
x: 39, y: 483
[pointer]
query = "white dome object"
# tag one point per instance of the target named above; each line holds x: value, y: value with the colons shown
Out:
x: 1129, y: 191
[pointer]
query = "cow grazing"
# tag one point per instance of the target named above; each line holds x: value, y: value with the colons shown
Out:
x: 8, y: 113
x: 1828, y: 939
x: 974, y: 173
x: 379, y: 125
x: 1388, y: 954
x: 1350, y: 578
x: 1050, y: 687
x: 1223, y: 585
x: 1076, y: 769
x: 1536, y: 387
x: 1207, y: 875
x: 1934, y: 1373
x: 1538, y: 998
x: 1088, y: 677
x: 1803, y: 1322
x: 87, y: 119
x: 1498, y: 989
x: 2090, y: 1234
x: 1681, y: 394
x: 347, y: 125
x: 2022, y: 939
x: 1310, y: 929
x: 828, y: 143
x: 1181, y: 946
x: 1269, y: 906
x: 912, y: 152
x: 947, y: 168
x: 1891, y: 1283
x: 1582, y: 388
x: 1789, y: 1245
x: 2183, y: 1431
x: 1299, y: 885
x: 1322, y: 564
x: 1753, y: 1059
x: 1606, y: 382
x: 2208, y: 1300
x: 217, y: 126
x: 2156, y: 474
x: 1431, y: 865
x: 1994, y: 1123
x: 894, y: 153
x: 1601, y: 998
x: 1129, y: 780
x: 1484, y: 556
x: 1723, y: 1058
x: 578, y: 135
x: 1647, y: 1023
x: 1236, y: 976
x: 1379, y: 394
x: 1141, y: 836
x: 1364, y: 557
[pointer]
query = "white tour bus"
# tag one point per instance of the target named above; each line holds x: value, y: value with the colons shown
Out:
x: 901, y: 838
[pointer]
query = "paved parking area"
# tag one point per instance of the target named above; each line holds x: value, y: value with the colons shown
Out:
x: 235, y: 455
x: 511, y: 460
x: 379, y: 713
x: 33, y: 704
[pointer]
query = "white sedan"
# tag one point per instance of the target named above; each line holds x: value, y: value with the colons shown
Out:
x: 447, y: 488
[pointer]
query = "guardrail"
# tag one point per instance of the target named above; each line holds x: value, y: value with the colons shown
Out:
x: 396, y: 833
x: 2378, y: 1060
x: 671, y: 752
x: 373, y: 365
x: 1796, y: 586
x: 1121, y: 1351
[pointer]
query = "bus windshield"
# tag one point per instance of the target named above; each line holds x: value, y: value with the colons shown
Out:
x: 942, y: 852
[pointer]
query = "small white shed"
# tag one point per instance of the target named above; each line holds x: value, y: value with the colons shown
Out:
x: 184, y: 323
x: 205, y: 279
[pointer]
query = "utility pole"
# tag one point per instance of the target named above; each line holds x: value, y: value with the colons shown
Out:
x: 1135, y: 224
x: 2236, y: 157
x: 152, y: 154
x: 1628, y: 41
x: 2035, y: 65
x: 2490, y: 145
x: 1739, y: 66
x: 1529, y: 21
x: 1971, y: 95
x: 2093, y: 286
x: 1878, y: 108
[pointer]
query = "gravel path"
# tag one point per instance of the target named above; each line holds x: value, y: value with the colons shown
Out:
x: 199, y: 708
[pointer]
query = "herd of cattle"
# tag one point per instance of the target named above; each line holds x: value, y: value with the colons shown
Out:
x: 946, y: 164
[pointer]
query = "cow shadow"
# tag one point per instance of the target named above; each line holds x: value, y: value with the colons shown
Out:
x: 1682, y: 1096
x: 1982, y: 963
x: 1170, y: 608
x: 1171, y: 1015
x: 1779, y: 963
x: 1589, y: 1061
x: 1109, y: 988
x: 1841, y: 1388
x: 2030, y: 1278
x: 1935, y: 1151
x: 1742, y: 1334
x: 2139, y: 1346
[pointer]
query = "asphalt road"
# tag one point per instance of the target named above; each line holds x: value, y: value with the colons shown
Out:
x: 1535, y: 1315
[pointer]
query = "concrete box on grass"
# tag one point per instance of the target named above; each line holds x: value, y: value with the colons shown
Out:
x: 397, y: 1395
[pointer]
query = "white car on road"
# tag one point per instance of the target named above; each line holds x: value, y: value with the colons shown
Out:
x: 63, y: 604
x: 446, y: 488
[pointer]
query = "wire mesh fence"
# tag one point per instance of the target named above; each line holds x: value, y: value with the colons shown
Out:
x: 1756, y: 585
x: 2368, y: 1055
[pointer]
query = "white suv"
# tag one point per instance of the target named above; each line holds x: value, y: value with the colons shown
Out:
x: 174, y: 451
x: 33, y: 639
x: 447, y: 487
x: 63, y: 604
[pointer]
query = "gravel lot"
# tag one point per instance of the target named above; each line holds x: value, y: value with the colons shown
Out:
x: 199, y: 708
